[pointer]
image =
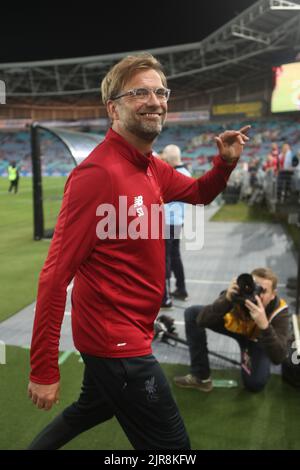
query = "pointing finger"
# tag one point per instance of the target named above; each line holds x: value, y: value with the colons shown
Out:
x: 245, y: 129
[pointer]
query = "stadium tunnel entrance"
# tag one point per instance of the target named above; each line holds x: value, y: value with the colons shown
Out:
x: 76, y: 145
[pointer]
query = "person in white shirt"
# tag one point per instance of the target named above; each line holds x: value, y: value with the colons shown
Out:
x: 174, y: 219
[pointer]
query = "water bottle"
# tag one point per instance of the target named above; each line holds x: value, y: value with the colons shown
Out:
x: 223, y: 383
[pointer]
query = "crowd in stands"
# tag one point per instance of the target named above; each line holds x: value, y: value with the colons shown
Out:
x: 269, y: 164
x: 15, y: 146
x: 194, y: 140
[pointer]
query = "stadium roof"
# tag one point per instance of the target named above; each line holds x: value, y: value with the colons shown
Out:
x: 265, y: 34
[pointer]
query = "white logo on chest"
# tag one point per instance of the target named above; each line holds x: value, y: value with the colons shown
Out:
x: 138, y: 202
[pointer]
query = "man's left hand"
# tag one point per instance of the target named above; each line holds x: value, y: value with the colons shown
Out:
x: 258, y: 313
x: 231, y: 144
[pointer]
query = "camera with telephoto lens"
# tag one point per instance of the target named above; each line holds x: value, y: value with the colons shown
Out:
x: 248, y: 289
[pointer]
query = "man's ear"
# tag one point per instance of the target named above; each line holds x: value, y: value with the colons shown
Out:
x: 274, y: 294
x: 112, y: 110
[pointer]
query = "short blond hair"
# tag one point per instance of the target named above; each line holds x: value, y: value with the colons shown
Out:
x: 115, y: 80
x: 266, y: 273
x: 172, y: 154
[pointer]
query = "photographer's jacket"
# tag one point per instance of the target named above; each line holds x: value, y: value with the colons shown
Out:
x: 118, y: 282
x: 273, y: 339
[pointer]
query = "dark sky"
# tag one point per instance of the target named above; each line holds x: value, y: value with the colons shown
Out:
x: 49, y: 31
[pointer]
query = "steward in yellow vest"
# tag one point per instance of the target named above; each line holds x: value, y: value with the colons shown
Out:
x: 13, y: 177
x: 12, y: 173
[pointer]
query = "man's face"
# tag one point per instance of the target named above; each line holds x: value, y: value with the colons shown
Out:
x: 269, y: 294
x: 142, y: 118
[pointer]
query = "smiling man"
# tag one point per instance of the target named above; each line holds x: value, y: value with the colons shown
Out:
x: 141, y: 122
x: 118, y: 280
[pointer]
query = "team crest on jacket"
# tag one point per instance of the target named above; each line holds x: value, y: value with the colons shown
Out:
x: 151, y: 389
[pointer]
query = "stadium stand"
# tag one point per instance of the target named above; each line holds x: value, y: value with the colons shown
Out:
x: 224, y: 81
x: 196, y: 142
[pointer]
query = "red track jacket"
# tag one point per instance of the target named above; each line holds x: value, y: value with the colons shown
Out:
x: 118, y: 281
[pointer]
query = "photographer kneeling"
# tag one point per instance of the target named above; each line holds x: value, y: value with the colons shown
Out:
x: 251, y: 313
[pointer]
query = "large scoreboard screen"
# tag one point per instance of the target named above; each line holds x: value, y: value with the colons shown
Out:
x: 286, y: 92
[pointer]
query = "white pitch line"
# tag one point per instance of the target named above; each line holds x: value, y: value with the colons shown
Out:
x: 64, y: 357
x: 193, y: 281
x: 206, y: 281
x: 68, y: 314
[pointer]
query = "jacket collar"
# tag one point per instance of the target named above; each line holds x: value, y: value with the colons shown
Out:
x: 127, y: 150
x: 273, y: 305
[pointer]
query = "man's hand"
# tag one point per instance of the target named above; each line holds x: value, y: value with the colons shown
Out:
x: 43, y: 396
x: 232, y: 290
x: 258, y: 313
x: 231, y: 144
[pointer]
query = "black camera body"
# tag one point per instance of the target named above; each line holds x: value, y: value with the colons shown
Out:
x: 248, y: 289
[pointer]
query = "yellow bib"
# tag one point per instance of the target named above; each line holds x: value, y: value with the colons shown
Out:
x: 245, y: 327
x: 248, y: 327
